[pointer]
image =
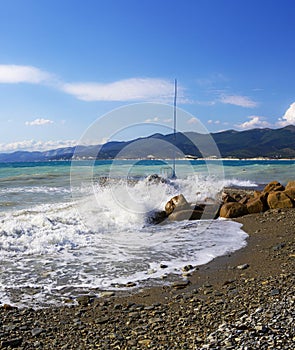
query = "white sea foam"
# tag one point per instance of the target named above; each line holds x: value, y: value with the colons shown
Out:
x: 102, y: 240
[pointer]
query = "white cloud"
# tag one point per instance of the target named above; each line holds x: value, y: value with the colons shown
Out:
x: 254, y: 122
x: 289, y: 116
x: 124, y: 90
x: 168, y: 120
x: 39, y: 121
x: 33, y: 145
x: 210, y: 121
x: 242, y: 101
x: 13, y: 74
x: 192, y: 120
x: 133, y: 89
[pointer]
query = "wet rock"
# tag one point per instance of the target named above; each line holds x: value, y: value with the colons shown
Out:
x: 107, y: 294
x: 180, y: 284
x: 187, y: 268
x: 233, y: 210
x: 185, y: 215
x: 176, y: 203
x: 130, y: 284
x: 156, y: 217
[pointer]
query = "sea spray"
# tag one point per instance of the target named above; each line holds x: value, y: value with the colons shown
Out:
x: 50, y: 250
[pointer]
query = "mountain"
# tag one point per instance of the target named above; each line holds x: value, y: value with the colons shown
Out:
x: 272, y: 143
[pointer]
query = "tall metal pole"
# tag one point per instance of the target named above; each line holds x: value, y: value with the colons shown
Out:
x: 174, y: 131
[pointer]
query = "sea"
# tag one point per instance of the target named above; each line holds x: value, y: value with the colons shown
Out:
x: 82, y: 227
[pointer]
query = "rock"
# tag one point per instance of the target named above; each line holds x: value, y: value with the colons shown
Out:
x: 290, y: 192
x: 290, y: 184
x: 256, y: 194
x: 273, y: 186
x: 130, y: 284
x: 187, y: 268
x: 257, y: 204
x: 227, y: 198
x: 176, y: 203
x: 185, y: 215
x: 145, y: 342
x: 275, y: 292
x: 245, y: 199
x: 211, y: 211
x: 156, y: 217
x: 242, y: 267
x: 233, y: 210
x: 180, y: 284
x: 155, y: 179
x: 279, y: 199
x: 107, y: 294
x: 8, y: 307
x: 37, y: 331
x: 163, y: 266
x: 84, y: 300
x: 12, y: 343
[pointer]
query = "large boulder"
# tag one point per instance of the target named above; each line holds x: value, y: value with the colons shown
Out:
x: 258, y: 203
x: 273, y: 186
x: 181, y: 215
x: 255, y: 205
x: 290, y: 184
x: 290, y: 192
x: 233, y: 210
x: 176, y: 203
x: 279, y: 200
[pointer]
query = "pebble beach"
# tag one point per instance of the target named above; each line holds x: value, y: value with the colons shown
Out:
x: 244, y: 300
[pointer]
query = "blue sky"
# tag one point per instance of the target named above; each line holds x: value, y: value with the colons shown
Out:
x: 65, y: 63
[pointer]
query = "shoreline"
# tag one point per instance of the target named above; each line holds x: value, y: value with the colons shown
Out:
x: 245, y: 298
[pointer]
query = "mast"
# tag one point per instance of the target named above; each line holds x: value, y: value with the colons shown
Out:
x: 174, y: 128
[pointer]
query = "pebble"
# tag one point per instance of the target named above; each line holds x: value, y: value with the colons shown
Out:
x: 107, y: 294
x: 180, y: 284
x: 243, y: 266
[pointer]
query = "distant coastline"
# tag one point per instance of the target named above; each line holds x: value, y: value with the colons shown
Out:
x: 255, y: 144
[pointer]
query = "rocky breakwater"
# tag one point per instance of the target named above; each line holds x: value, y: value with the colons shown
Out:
x: 231, y: 204
x: 273, y: 196
x: 178, y: 209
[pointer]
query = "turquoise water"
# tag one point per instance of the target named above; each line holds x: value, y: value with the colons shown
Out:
x: 66, y: 229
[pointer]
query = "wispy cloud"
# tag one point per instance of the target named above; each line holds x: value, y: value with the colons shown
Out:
x: 33, y: 145
x: 14, y: 74
x: 133, y: 89
x: 289, y: 116
x: 39, y: 121
x: 254, y: 122
x: 123, y: 90
x: 210, y: 121
x: 152, y: 120
x: 237, y: 100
